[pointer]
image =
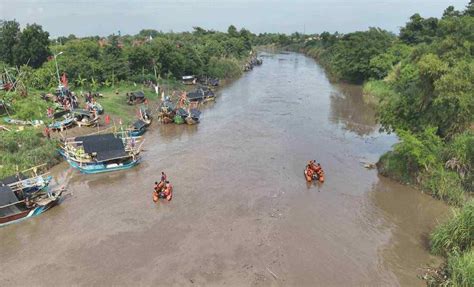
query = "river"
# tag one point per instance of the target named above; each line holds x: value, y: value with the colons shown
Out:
x: 242, y: 212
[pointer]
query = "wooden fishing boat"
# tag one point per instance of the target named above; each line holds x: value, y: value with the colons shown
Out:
x: 34, y: 123
x: 85, y: 118
x: 167, y: 111
x: 202, y: 94
x: 101, y: 153
x: 98, y: 108
x: 181, y: 115
x: 138, y: 128
x: 145, y: 116
x: 189, y: 80
x: 135, y: 97
x: 22, y: 198
x: 62, y: 124
x: 193, y: 117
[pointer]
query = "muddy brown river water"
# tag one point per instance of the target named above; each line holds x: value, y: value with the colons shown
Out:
x: 242, y: 212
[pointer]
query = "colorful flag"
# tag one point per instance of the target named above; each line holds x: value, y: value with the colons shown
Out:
x: 64, y: 80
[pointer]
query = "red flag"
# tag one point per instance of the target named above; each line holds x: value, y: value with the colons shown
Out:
x: 107, y: 119
x: 64, y: 79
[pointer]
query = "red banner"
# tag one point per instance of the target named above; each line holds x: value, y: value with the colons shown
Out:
x: 64, y: 80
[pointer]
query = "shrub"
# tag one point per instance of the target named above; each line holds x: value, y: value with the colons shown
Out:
x: 443, y: 184
x: 457, y: 234
x: 25, y: 149
x: 461, y: 269
x: 224, y: 68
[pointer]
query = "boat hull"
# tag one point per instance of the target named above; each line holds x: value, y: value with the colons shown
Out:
x: 137, y: 133
x: 93, y: 168
x: 18, y: 217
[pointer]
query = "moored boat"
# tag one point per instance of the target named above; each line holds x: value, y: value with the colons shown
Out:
x: 138, y: 128
x: 101, y: 153
x: 22, y: 198
x: 193, y: 117
x: 181, y: 115
x: 85, y: 118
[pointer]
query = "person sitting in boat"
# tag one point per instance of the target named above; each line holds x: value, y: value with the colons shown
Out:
x: 156, y: 192
x: 318, y: 170
x: 309, y: 173
x: 315, y: 167
x: 162, y: 183
x: 168, y: 191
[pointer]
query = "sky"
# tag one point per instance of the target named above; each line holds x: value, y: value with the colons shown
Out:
x: 104, y: 17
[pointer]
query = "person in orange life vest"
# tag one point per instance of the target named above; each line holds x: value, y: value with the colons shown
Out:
x: 156, y: 192
x: 308, y: 173
x: 168, y: 192
x: 163, y: 180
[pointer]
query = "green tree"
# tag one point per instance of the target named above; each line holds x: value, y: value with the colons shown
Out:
x: 32, y: 47
x: 232, y: 31
x: 351, y: 55
x: 9, y: 37
x: 419, y: 30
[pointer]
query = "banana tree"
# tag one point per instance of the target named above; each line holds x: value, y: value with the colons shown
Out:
x: 80, y: 81
x: 107, y: 83
x: 94, y: 84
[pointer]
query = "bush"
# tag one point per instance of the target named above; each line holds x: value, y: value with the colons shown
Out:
x: 224, y: 68
x: 30, y: 108
x: 444, y: 184
x: 456, y: 235
x: 375, y: 91
x: 461, y: 269
x: 393, y: 165
x: 459, y: 157
x: 25, y: 149
x: 422, y: 151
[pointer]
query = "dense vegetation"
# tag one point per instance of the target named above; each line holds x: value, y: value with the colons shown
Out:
x: 111, y: 65
x: 422, y: 82
x: 24, y: 149
x: 94, y: 61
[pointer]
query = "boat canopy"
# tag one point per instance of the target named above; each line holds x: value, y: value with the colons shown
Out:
x: 197, y: 95
x: 12, y: 179
x: 138, y: 94
x: 59, y: 114
x: 105, y: 146
x: 81, y: 112
x: 168, y: 104
x: 139, y: 124
x: 7, y: 196
x: 181, y: 112
x: 195, y: 113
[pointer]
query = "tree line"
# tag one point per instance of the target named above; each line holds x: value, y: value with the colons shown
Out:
x: 103, y: 61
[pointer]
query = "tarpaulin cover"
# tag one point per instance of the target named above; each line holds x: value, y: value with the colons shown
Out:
x: 138, y: 94
x: 12, y: 179
x: 139, y: 124
x: 181, y: 112
x: 106, y: 146
x: 195, y: 113
x: 7, y: 195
